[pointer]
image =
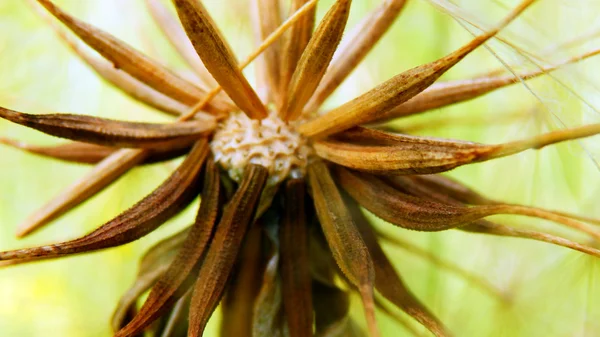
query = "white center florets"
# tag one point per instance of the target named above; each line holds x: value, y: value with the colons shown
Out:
x: 269, y: 142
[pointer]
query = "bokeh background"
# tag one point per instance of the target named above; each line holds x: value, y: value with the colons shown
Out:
x: 544, y: 290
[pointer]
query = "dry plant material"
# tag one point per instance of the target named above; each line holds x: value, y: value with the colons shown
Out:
x: 315, y: 59
x: 218, y: 57
x: 279, y: 238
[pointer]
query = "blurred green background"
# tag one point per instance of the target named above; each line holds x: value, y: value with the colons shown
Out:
x: 553, y: 291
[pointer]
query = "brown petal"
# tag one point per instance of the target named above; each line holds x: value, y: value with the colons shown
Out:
x: 449, y: 191
x: 154, y: 263
x: 176, y: 35
x: 294, y: 265
x: 132, y: 61
x: 265, y: 20
x: 103, y: 174
x: 224, y: 248
x: 76, y: 152
x: 145, y: 216
x: 389, y: 283
x: 244, y: 285
x: 381, y: 152
x: 446, y: 93
x: 217, y: 56
x: 117, y: 77
x: 385, y: 200
x: 345, y: 242
x: 442, y: 188
x: 295, y: 44
x: 109, y: 132
x: 267, y: 316
x: 181, y: 273
x: 315, y: 59
x: 369, y: 106
x: 354, y: 47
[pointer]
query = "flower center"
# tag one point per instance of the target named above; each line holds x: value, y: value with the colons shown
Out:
x: 270, y: 142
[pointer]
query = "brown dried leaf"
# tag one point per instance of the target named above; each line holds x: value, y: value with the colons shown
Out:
x: 354, y: 47
x: 389, y: 283
x: 154, y: 263
x: 295, y: 263
x: 133, y: 62
x: 117, y: 77
x: 167, y: 200
x: 315, y: 59
x: 224, y: 248
x: 451, y: 192
x: 446, y: 93
x: 345, y: 242
x: 294, y: 44
x: 217, y: 56
x: 176, y: 35
x: 76, y: 152
x: 181, y: 273
x: 243, y: 287
x: 107, y: 132
x: 265, y: 20
x: 381, y: 152
x: 267, y: 316
x: 386, y: 200
x: 452, y: 189
x: 103, y: 174
x: 369, y: 106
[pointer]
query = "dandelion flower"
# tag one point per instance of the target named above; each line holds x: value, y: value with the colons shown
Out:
x: 279, y: 238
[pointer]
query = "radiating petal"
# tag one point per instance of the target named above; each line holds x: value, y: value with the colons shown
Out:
x: 115, y: 76
x: 132, y: 61
x: 389, y: 283
x: 294, y: 264
x: 176, y: 35
x: 103, y: 174
x: 345, y: 242
x: 315, y: 59
x: 380, y: 152
x: 108, y: 132
x: 217, y: 56
x: 76, y: 152
x: 181, y: 273
x: 267, y: 316
x: 224, y: 248
x: 446, y: 93
x: 154, y: 263
x: 238, y: 304
x: 168, y: 199
x: 399, y: 89
x: 449, y: 191
x: 354, y: 47
x: 295, y: 43
x: 387, y: 201
x: 265, y: 20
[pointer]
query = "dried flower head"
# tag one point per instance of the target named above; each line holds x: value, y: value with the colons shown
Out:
x: 279, y: 239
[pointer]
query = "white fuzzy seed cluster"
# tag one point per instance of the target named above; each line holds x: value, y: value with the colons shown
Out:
x: 270, y: 142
